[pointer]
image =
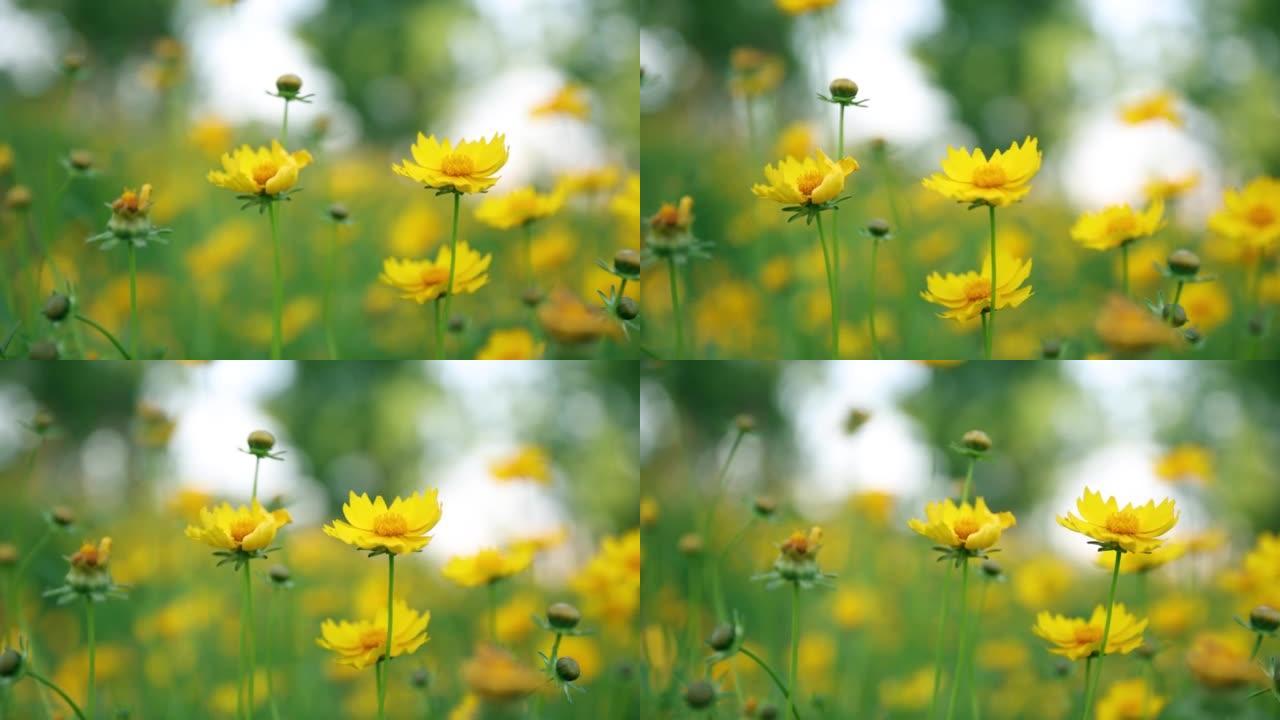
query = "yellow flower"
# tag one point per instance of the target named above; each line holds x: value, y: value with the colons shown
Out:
x: 515, y: 618
x: 1208, y: 305
x: 1250, y: 216
x: 528, y: 463
x: 1186, y: 462
x: 569, y: 100
x: 495, y: 675
x: 1077, y: 638
x: 589, y: 181
x: 1133, y: 529
x: 513, y: 344
x: 264, y: 171
x: 800, y: 7
x: 609, y: 585
x: 855, y: 607
x: 467, y: 168
x: 487, y: 566
x: 1221, y: 661
x: 518, y: 208
x: 569, y: 321
x: 1128, y: 329
x: 241, y: 528
x: 908, y: 694
x: 423, y: 280
x: 972, y: 178
x: 399, y: 528
x: 671, y: 219
x: 6, y: 159
x: 363, y: 642
x: 552, y: 250
x: 966, y: 295
x: 874, y: 505
x: 754, y: 72
x: 796, y: 140
x: 1173, y: 615
x: 815, y: 180
x: 1142, y: 562
x: 1170, y: 187
x: 1040, y: 580
x: 1130, y: 699
x: 211, y: 134
x: 1116, y: 225
x: 971, y: 527
x: 1003, y: 655
x: 1157, y: 106
x: 92, y: 557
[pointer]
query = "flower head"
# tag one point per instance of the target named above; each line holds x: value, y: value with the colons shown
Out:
x: 1116, y: 225
x: 673, y: 219
x: 130, y: 220
x: 1157, y: 106
x: 967, y: 295
x: 609, y: 584
x: 397, y: 528
x: 1078, y: 638
x: 814, y: 180
x: 90, y: 574
x: 487, y: 566
x: 569, y: 100
x: 1186, y: 462
x: 1221, y: 661
x: 246, y: 529
x: 468, y: 167
x: 513, y: 344
x: 964, y: 526
x: 423, y: 280
x: 1002, y: 180
x: 800, y: 7
x: 266, y: 172
x: 1131, y: 529
x: 364, y: 642
x: 518, y: 208
x: 569, y: 321
x: 754, y: 72
x: 1167, y: 188
x: 1142, y: 562
x: 1131, y: 699
x: 1250, y: 216
x: 496, y: 676
x: 797, y: 561
x: 528, y: 463
x: 1129, y: 329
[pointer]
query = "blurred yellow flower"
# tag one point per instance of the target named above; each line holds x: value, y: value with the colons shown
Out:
x: 528, y: 463
x: 971, y: 527
x: 1250, y: 216
x: 813, y: 180
x: 1156, y: 106
x: 966, y: 295
x: 1133, y: 529
x: 518, y: 207
x: 594, y: 180
x: 775, y: 274
x: 241, y: 528
x: 854, y: 607
x: 467, y: 168
x: 609, y: 585
x: 753, y: 72
x: 1116, y: 225
x: 423, y: 280
x: 626, y: 204
x: 1041, y: 580
x: 1142, y: 562
x: 800, y: 7
x: 487, y: 566
x: 1220, y: 660
x: 569, y: 321
x: 1208, y: 305
x: 568, y: 100
x: 495, y: 675
x: 364, y: 642
x: 1003, y: 655
x: 211, y: 134
x: 552, y: 250
x: 398, y: 528
x: 154, y: 427
x: 874, y: 505
x: 514, y: 618
x: 1002, y: 180
x: 1172, y: 615
x: 513, y: 344
x: 799, y: 139
x: 1186, y: 462
x: 1129, y: 329
x: 1130, y: 699
x: 6, y: 159
x: 264, y: 171
x: 1168, y: 188
x: 414, y: 232
x: 909, y: 694
x: 299, y: 314
x: 1078, y: 638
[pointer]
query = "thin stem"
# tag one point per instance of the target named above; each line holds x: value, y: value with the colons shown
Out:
x: 439, y: 331
x: 1257, y: 645
x: 555, y: 652
x: 835, y: 231
x: 453, y: 261
x: 958, y: 670
x: 975, y: 706
x: 49, y: 684
x: 695, y: 610
x: 330, y: 271
x: 527, y: 237
x: 968, y: 481
x: 277, y: 300
x: 119, y: 348
x: 795, y: 646
x: 284, y: 130
x: 257, y: 461
x: 1177, y: 294
x: 713, y: 568
x: 1106, y: 633
x: 772, y: 675
x: 831, y: 292
x: 93, y: 650
x: 271, y: 690
x: 1124, y: 268
x: 386, y: 658
x: 937, y: 649
x: 871, y: 306
x: 493, y: 611
x: 246, y: 642
x: 675, y: 305
x: 133, y: 305
x: 991, y: 321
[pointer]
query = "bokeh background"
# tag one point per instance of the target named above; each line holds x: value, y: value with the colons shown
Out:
x: 135, y: 448
x: 1055, y: 427
x: 960, y: 73
x: 168, y: 85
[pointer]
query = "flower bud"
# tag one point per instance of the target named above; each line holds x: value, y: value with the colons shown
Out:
x: 854, y: 421
x: 1264, y: 619
x: 690, y: 544
x: 338, y: 212
x: 63, y: 515
x: 722, y: 637
x: 992, y: 569
x: 567, y: 669
x: 261, y: 442
x: 288, y: 84
x: 1184, y: 263
x: 764, y: 505
x: 745, y: 423
x: 1192, y: 336
x: 10, y: 663
x: 843, y: 89
x: 420, y: 679
x: 563, y: 616
x: 8, y: 554
x: 81, y: 160
x: 457, y: 324
x: 18, y: 198
x: 699, y: 694
x: 627, y: 262
x: 628, y: 308
x: 878, y: 227
x: 768, y: 712
x: 532, y: 297
x: 42, y: 350
x: 1176, y: 315
x: 72, y: 62
x: 56, y: 307
x: 1051, y: 349
x: 42, y: 420
x: 976, y: 440
x: 279, y: 574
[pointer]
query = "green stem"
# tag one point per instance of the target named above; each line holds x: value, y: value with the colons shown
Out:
x: 133, y: 305
x: 795, y: 646
x: 270, y: 653
x: 493, y: 611
x: 695, y: 611
x: 937, y: 650
x: 958, y: 670
x: 1102, y: 648
x: 713, y: 568
x: 246, y: 642
x: 284, y: 130
x: 1177, y: 294
x: 93, y: 654
x: 527, y: 237
x: 330, y: 271
x: 1257, y: 645
x: 453, y: 261
x: 836, y: 267
x: 119, y: 348
x: 277, y: 300
x: 49, y: 684
x: 975, y: 707
x: 1124, y: 268
x: 968, y: 481
x: 438, y: 350
x: 831, y: 291
x: 675, y: 306
x: 772, y: 675
x: 871, y: 306
x: 386, y: 658
x: 991, y: 321
x: 555, y: 653
x: 257, y: 461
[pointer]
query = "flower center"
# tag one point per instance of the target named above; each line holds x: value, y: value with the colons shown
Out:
x: 390, y: 524
x: 965, y: 527
x: 264, y: 172
x: 241, y: 527
x: 1122, y: 225
x: 808, y: 182
x: 373, y: 637
x: 434, y: 276
x: 1088, y: 634
x: 457, y: 165
x: 1261, y: 216
x: 977, y: 289
x: 989, y: 176
x: 1122, y: 523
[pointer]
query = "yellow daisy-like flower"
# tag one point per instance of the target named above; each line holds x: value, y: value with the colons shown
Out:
x: 495, y: 675
x: 812, y: 181
x: 800, y: 7
x: 1130, y: 329
x: 467, y: 168
x: 1157, y: 106
x: 964, y: 526
x: 1171, y: 187
x: 90, y: 556
x: 1002, y: 180
x: 569, y: 100
x: 1220, y: 661
x: 1142, y: 562
x: 519, y: 208
x: 514, y: 344
x: 1116, y: 225
x: 1078, y: 638
x: 423, y: 280
x: 397, y: 528
x: 754, y: 72
x: 364, y: 642
x: 1208, y: 305
x: 1250, y: 216
x: 241, y: 528
x: 487, y: 566
x: 528, y: 463
x: 1130, y: 699
x: 966, y: 295
x: 1186, y: 462
x: 1132, y: 529
x: 262, y: 171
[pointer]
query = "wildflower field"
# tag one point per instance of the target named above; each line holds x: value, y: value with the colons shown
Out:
x: 953, y: 180
x: 401, y: 179
x: 1023, y: 540
x: 319, y: 540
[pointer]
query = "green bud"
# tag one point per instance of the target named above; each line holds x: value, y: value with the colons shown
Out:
x: 567, y: 669
x: 699, y: 694
x: 843, y: 89
x: 563, y: 616
x: 288, y: 84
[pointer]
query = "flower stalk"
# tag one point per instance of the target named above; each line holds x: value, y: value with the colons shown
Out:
x: 675, y: 305
x: 831, y: 291
x: 92, y: 680
x: 384, y: 666
x: 453, y: 263
x: 990, y: 325
x: 246, y: 644
x: 962, y: 642
x: 277, y: 297
x: 795, y: 646
x: 1092, y: 685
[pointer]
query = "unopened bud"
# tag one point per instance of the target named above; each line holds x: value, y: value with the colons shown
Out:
x: 1051, y: 349
x: 745, y: 423
x: 628, y: 308
x: 878, y: 227
x: 690, y: 544
x: 63, y: 515
x: 567, y: 669
x: 10, y: 663
x: 420, y: 678
x: 43, y: 350
x: 1264, y: 618
x: 261, y: 442
x: 18, y: 198
x: 56, y: 307
x: 700, y: 694
x: 563, y: 616
x: 1184, y: 263
x: 8, y: 554
x: 722, y: 637
x: 976, y: 440
x: 764, y: 505
x: 81, y: 160
x: 279, y: 574
x: 338, y: 212
x: 843, y: 89
x: 288, y: 84
x: 627, y: 262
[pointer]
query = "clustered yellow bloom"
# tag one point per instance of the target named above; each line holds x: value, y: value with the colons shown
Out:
x: 672, y: 219
x: 262, y: 171
x: 423, y: 280
x: 1157, y: 106
x: 1000, y: 181
x: 397, y: 528
x: 493, y: 674
x: 1257, y: 579
x: 814, y: 180
x: 247, y: 529
x: 1116, y: 225
x: 967, y: 295
x: 1143, y: 562
x: 487, y: 566
x: 1250, y: 216
x: 568, y: 100
x: 1078, y: 638
x: 965, y: 526
x: 528, y: 463
x: 364, y: 642
x: 1220, y: 661
x: 469, y: 167
x: 1131, y: 699
x: 518, y: 208
x: 1132, y: 529
x: 513, y: 344
x: 1186, y: 462
x: 609, y: 584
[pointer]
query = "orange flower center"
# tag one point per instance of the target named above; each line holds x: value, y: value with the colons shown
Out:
x: 435, y: 276
x: 373, y: 637
x: 87, y: 557
x: 126, y: 203
x: 241, y: 527
x: 965, y: 527
x: 1122, y: 523
x: 264, y: 172
x: 457, y: 165
x: 1261, y: 216
x: 1122, y: 225
x: 989, y: 176
x: 667, y: 216
x: 808, y: 182
x: 977, y: 289
x: 390, y: 524
x: 1088, y: 634
x: 797, y: 545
